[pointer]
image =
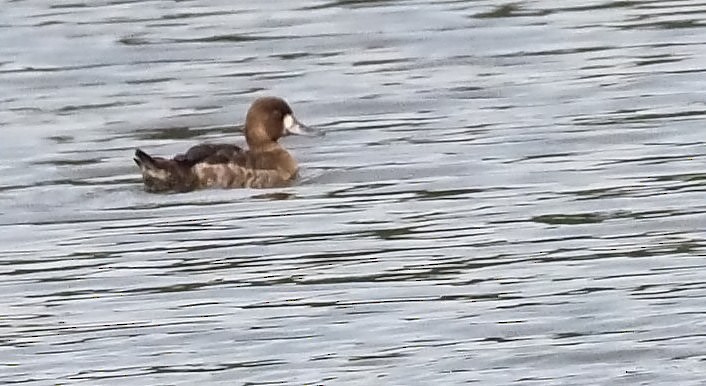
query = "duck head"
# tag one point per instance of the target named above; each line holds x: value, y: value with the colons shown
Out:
x: 269, y: 119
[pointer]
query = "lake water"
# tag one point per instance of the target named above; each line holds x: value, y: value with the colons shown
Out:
x: 508, y: 192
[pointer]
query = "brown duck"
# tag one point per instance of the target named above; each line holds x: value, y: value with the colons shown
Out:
x: 265, y: 164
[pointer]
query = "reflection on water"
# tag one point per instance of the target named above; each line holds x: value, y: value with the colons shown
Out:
x: 507, y: 193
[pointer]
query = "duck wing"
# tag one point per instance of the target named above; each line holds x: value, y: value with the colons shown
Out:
x: 212, y: 153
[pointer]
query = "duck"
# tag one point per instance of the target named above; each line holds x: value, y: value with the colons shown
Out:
x: 264, y: 164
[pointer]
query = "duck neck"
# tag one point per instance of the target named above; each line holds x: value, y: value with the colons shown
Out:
x: 264, y: 147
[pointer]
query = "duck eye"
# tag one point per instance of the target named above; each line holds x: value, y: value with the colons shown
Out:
x: 288, y: 121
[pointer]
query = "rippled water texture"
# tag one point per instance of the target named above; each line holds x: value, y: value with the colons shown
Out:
x: 508, y: 192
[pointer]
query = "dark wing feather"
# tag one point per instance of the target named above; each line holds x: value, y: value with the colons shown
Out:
x: 210, y: 153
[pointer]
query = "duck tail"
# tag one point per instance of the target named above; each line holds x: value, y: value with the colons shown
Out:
x: 144, y: 160
x: 158, y: 173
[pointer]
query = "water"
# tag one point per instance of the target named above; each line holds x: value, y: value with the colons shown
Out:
x: 507, y: 193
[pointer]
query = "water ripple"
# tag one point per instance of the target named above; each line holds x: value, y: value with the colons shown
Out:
x: 507, y: 193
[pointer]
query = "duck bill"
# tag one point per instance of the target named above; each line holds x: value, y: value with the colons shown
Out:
x: 298, y: 128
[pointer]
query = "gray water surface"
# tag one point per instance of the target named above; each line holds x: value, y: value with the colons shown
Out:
x: 508, y: 192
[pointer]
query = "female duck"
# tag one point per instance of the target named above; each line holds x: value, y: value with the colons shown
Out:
x: 265, y: 164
